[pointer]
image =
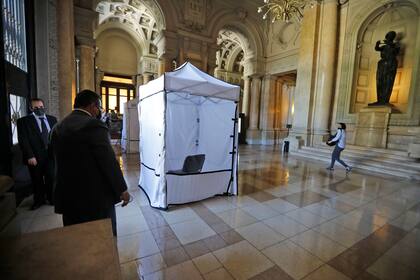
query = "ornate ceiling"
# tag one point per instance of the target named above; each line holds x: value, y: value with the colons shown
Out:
x: 133, y: 15
x: 233, y: 49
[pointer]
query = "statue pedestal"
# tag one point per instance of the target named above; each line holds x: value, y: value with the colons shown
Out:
x: 372, y: 126
x: 414, y: 148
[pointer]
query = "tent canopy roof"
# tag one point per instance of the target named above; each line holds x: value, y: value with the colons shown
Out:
x: 189, y: 79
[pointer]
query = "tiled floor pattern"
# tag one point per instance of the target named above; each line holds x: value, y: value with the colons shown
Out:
x: 292, y: 220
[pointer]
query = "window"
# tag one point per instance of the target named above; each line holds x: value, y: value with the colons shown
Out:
x: 115, y: 92
x: 17, y: 110
x: 14, y: 33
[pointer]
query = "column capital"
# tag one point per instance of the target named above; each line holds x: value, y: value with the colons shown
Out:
x: 269, y: 76
x: 85, y: 41
x: 256, y: 76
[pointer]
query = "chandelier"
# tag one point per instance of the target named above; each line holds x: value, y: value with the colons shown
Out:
x: 285, y: 10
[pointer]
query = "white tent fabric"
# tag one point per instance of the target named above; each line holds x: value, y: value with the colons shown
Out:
x: 189, y: 79
x: 187, y: 112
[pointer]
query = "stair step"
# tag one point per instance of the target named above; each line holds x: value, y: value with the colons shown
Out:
x: 382, y: 170
x: 407, y: 162
x: 374, y: 152
x: 388, y: 166
x: 368, y: 160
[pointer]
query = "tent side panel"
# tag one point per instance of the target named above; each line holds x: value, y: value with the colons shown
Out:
x: 152, y: 148
x: 181, y: 130
x: 189, y: 188
x: 216, y: 131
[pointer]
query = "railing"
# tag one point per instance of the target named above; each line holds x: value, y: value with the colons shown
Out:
x: 14, y: 33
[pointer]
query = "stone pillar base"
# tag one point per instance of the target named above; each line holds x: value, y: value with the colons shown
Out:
x: 295, y: 142
x: 320, y: 138
x: 414, y: 150
x: 372, y: 126
x: 253, y: 136
x: 268, y: 137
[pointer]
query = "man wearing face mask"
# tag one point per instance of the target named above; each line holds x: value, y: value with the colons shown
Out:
x: 33, y: 131
x: 89, y: 181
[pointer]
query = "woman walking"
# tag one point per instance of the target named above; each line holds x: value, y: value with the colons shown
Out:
x: 340, y: 139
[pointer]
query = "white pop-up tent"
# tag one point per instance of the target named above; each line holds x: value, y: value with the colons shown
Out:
x: 184, y: 113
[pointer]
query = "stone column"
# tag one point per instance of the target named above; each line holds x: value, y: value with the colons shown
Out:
x: 305, y: 80
x: 291, y: 105
x: 253, y: 133
x: 42, y: 52
x: 326, y: 70
x: 268, y: 107
x: 99, y: 75
x: 87, y: 67
x: 66, y: 57
x: 245, y: 101
x: 137, y: 81
x: 255, y: 103
x: 211, y: 61
x: 147, y: 77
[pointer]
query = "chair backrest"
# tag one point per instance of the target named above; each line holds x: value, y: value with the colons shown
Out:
x: 193, y: 163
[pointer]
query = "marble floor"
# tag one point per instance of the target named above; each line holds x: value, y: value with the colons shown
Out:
x: 292, y: 220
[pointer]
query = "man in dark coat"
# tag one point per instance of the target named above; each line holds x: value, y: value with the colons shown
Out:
x: 89, y: 181
x: 33, y: 131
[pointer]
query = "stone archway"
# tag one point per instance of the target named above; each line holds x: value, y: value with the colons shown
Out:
x: 144, y: 21
x: 402, y: 19
x: 241, y: 54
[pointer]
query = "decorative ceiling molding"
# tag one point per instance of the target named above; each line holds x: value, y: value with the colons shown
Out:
x: 143, y: 17
x: 234, y: 47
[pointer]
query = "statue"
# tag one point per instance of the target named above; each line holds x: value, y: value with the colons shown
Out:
x: 387, y: 68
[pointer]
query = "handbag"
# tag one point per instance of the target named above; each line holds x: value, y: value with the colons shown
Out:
x: 330, y: 138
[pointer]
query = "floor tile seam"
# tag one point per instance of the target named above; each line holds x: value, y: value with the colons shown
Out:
x: 402, y: 214
x: 362, y: 270
x: 364, y: 218
x: 203, y: 274
x: 372, y: 261
x: 260, y: 251
x: 138, y: 265
x: 130, y: 215
x: 313, y: 225
x: 406, y: 267
x: 324, y: 217
x: 349, y: 229
x: 133, y: 233
x: 324, y: 262
x: 399, y: 262
x: 325, y: 236
x: 271, y: 260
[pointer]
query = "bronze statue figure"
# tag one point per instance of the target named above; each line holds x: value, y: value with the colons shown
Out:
x: 387, y: 68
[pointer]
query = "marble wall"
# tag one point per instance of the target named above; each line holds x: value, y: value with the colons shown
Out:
x: 329, y: 52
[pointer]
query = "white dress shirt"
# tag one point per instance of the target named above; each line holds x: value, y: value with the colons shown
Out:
x: 38, y: 121
x: 341, y: 138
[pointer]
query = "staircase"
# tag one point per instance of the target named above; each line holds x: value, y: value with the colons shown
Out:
x: 385, y: 161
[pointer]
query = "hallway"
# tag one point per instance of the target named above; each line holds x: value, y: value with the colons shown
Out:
x: 292, y: 220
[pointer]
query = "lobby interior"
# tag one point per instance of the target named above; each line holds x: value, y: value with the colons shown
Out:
x: 292, y: 218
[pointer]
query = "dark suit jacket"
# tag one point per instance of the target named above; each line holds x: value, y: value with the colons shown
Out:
x: 30, y: 140
x: 89, y: 180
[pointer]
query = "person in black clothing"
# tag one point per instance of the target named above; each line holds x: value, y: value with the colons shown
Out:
x: 89, y: 181
x: 33, y: 131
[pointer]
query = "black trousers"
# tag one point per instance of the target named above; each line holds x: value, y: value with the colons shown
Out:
x: 69, y: 219
x: 336, y: 157
x: 42, y: 181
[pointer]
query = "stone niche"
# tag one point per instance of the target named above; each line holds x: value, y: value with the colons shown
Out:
x: 404, y: 21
